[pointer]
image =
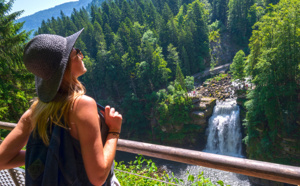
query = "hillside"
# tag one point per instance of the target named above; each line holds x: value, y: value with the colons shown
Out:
x: 33, y: 22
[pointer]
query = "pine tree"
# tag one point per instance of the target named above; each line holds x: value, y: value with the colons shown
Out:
x: 172, y: 59
x: 96, y: 15
x: 201, y: 29
x: 273, y: 64
x: 180, y: 77
x: 127, y: 11
x: 114, y: 16
x: 174, y: 6
x: 16, y: 84
x: 167, y: 13
x: 185, y: 60
x: 124, y: 34
x: 140, y: 16
x: 239, y: 23
x: 238, y: 65
x: 219, y: 10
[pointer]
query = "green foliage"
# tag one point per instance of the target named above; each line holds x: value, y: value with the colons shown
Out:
x: 139, y: 171
x: 217, y: 26
x: 238, y: 65
x: 189, y: 83
x: 219, y: 10
x: 273, y: 64
x: 215, y: 40
x: 133, y: 49
x: 179, y: 77
x: 173, y: 60
x: 239, y: 23
x: 217, y: 78
x: 174, y: 105
x: 144, y: 171
x: 214, y: 36
x: 16, y: 84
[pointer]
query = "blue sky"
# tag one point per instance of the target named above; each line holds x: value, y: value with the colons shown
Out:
x: 33, y: 6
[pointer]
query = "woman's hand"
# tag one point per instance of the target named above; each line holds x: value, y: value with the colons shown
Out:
x: 113, y: 119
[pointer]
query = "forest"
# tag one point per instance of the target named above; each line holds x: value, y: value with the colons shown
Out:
x: 141, y: 56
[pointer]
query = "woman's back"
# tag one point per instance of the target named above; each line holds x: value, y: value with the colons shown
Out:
x: 59, y: 163
x: 56, y: 65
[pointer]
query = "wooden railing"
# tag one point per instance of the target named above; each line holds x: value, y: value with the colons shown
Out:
x: 259, y: 169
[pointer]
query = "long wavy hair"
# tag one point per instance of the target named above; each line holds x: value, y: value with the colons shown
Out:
x: 44, y: 115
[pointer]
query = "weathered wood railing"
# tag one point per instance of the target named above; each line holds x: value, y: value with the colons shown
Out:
x: 259, y: 169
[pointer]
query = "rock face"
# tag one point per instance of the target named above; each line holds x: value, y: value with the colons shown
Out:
x: 202, y: 110
x: 204, y: 99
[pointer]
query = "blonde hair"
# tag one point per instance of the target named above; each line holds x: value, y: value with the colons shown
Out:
x: 44, y: 115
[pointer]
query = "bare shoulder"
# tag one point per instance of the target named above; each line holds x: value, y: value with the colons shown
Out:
x: 85, y: 101
x: 84, y: 107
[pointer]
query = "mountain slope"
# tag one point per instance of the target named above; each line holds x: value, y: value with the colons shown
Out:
x: 33, y: 22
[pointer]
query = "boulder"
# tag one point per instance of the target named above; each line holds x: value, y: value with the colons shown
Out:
x: 202, y: 111
x: 198, y: 115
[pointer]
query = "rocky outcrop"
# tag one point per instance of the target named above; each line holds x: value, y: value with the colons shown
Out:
x: 202, y: 110
x: 219, y: 89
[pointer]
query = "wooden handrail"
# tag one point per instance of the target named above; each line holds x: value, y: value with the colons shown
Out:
x: 259, y: 169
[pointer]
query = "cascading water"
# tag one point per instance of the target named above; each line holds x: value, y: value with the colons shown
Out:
x: 224, y: 131
x: 223, y: 137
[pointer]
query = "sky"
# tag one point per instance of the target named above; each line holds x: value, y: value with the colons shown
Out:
x: 32, y: 6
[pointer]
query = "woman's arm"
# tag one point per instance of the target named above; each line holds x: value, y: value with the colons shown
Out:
x: 11, y: 154
x: 97, y: 160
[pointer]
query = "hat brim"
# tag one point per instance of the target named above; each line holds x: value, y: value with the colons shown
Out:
x: 47, y: 89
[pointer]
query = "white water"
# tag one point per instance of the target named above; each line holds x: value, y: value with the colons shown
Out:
x: 224, y: 130
x: 224, y: 137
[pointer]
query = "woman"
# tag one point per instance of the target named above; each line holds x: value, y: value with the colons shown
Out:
x: 62, y: 127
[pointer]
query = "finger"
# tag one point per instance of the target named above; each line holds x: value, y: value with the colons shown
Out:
x: 112, y: 110
x: 107, y: 110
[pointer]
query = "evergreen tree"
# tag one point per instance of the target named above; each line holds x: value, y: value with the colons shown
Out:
x: 174, y: 5
x: 199, y: 17
x: 16, y: 84
x: 140, y: 16
x: 172, y: 32
x: 109, y: 35
x: 273, y: 64
x: 219, y: 10
x: 96, y: 15
x: 180, y: 77
x: 173, y: 59
x: 167, y: 14
x: 238, y: 65
x: 160, y: 72
x: 124, y: 34
x: 185, y: 60
x: 127, y: 11
x: 239, y: 23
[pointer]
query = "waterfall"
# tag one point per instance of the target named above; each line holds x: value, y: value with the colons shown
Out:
x: 224, y: 130
x: 223, y: 137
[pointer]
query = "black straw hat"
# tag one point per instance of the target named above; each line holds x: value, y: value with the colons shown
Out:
x: 46, y: 56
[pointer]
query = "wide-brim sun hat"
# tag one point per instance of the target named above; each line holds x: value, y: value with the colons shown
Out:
x: 46, y: 56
